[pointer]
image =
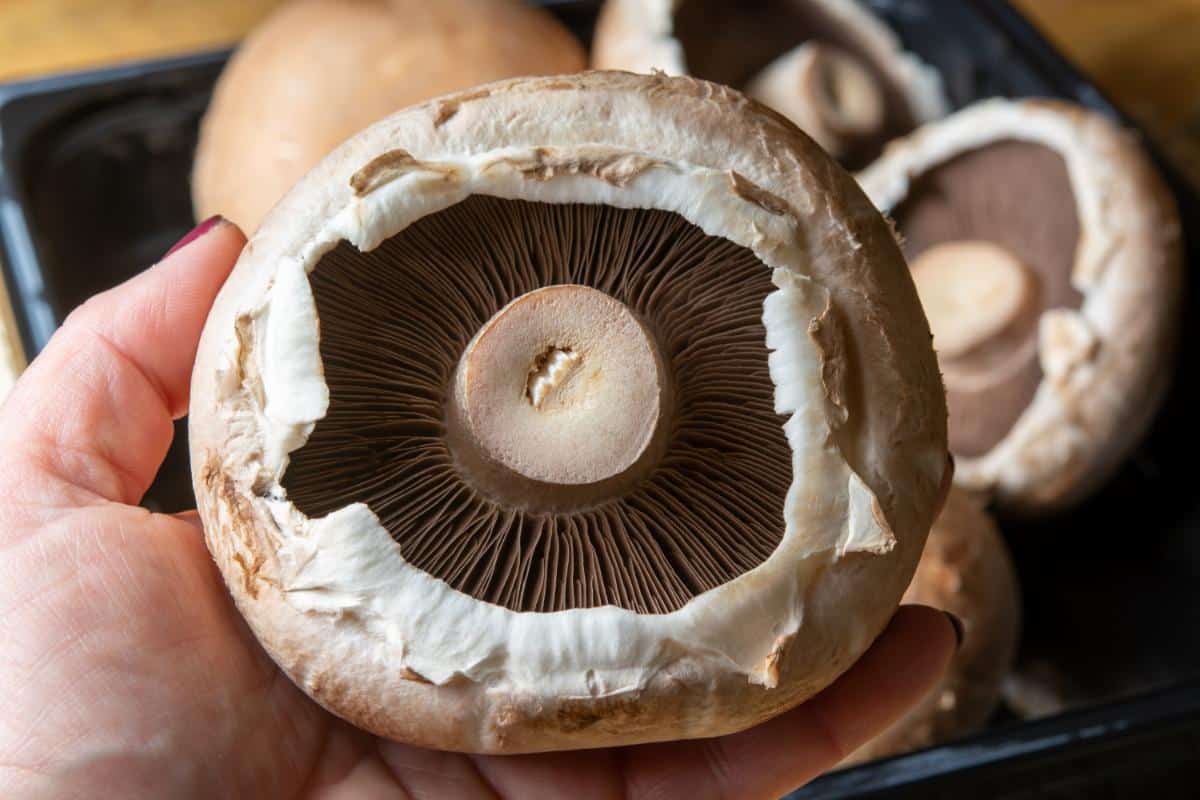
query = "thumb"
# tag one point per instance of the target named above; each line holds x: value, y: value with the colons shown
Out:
x: 94, y: 409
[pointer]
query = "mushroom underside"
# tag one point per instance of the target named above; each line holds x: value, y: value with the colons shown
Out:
x: 714, y: 35
x: 702, y: 505
x: 998, y: 226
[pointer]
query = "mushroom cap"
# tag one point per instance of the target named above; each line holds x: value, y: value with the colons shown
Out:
x: 966, y: 569
x: 856, y: 391
x: 642, y: 36
x: 317, y: 71
x: 1104, y: 366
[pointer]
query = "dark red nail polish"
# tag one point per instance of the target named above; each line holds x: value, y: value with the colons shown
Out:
x: 959, y: 631
x: 196, y: 233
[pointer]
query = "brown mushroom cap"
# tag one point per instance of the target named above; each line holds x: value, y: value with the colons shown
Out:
x: 966, y: 569
x: 1047, y: 252
x: 316, y: 71
x: 828, y: 65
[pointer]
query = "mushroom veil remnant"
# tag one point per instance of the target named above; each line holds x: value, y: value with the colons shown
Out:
x: 830, y: 66
x: 575, y: 432
x: 1046, y: 252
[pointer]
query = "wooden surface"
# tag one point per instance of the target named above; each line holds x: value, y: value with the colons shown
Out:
x: 1145, y: 54
x: 41, y: 36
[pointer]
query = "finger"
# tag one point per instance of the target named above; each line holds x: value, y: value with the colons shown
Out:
x: 95, y: 407
x: 577, y: 774
x: 768, y: 761
x: 432, y: 773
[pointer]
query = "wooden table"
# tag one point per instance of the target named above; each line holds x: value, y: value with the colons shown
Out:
x: 1145, y: 54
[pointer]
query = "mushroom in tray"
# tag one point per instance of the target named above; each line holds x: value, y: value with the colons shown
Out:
x: 507, y: 438
x: 967, y: 570
x: 1046, y: 250
x: 830, y: 66
x: 317, y: 71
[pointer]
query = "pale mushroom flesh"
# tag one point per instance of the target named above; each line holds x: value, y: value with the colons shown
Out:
x: 991, y: 236
x: 652, y: 465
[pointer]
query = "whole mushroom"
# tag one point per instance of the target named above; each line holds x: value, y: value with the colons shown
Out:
x: 830, y: 66
x: 575, y: 432
x: 317, y: 71
x: 1046, y: 250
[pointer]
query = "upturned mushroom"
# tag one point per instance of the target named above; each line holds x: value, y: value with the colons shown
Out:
x: 317, y: 71
x: 967, y: 570
x: 830, y: 66
x: 582, y: 431
x: 1046, y: 250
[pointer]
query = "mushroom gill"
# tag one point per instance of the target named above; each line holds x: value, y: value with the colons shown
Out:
x: 991, y: 236
x: 788, y: 36
x: 696, y: 503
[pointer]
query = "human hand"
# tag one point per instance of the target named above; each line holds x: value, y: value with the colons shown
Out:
x: 128, y: 672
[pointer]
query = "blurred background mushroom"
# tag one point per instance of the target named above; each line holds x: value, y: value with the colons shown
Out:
x: 1048, y: 255
x: 829, y: 65
x: 316, y: 71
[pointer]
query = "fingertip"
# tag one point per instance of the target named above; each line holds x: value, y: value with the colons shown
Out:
x: 925, y: 637
x: 99, y: 399
x: 216, y: 231
x: 903, y: 665
x: 174, y: 298
x: 960, y: 630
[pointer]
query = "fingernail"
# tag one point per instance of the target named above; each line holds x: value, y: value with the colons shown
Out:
x: 196, y: 233
x: 959, y: 632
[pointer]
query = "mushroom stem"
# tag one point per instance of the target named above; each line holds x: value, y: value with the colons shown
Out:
x: 972, y: 292
x: 825, y: 90
x: 563, y: 386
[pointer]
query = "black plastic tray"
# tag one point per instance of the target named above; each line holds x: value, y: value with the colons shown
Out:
x: 94, y: 186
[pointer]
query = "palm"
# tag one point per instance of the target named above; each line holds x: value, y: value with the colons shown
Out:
x: 130, y: 670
